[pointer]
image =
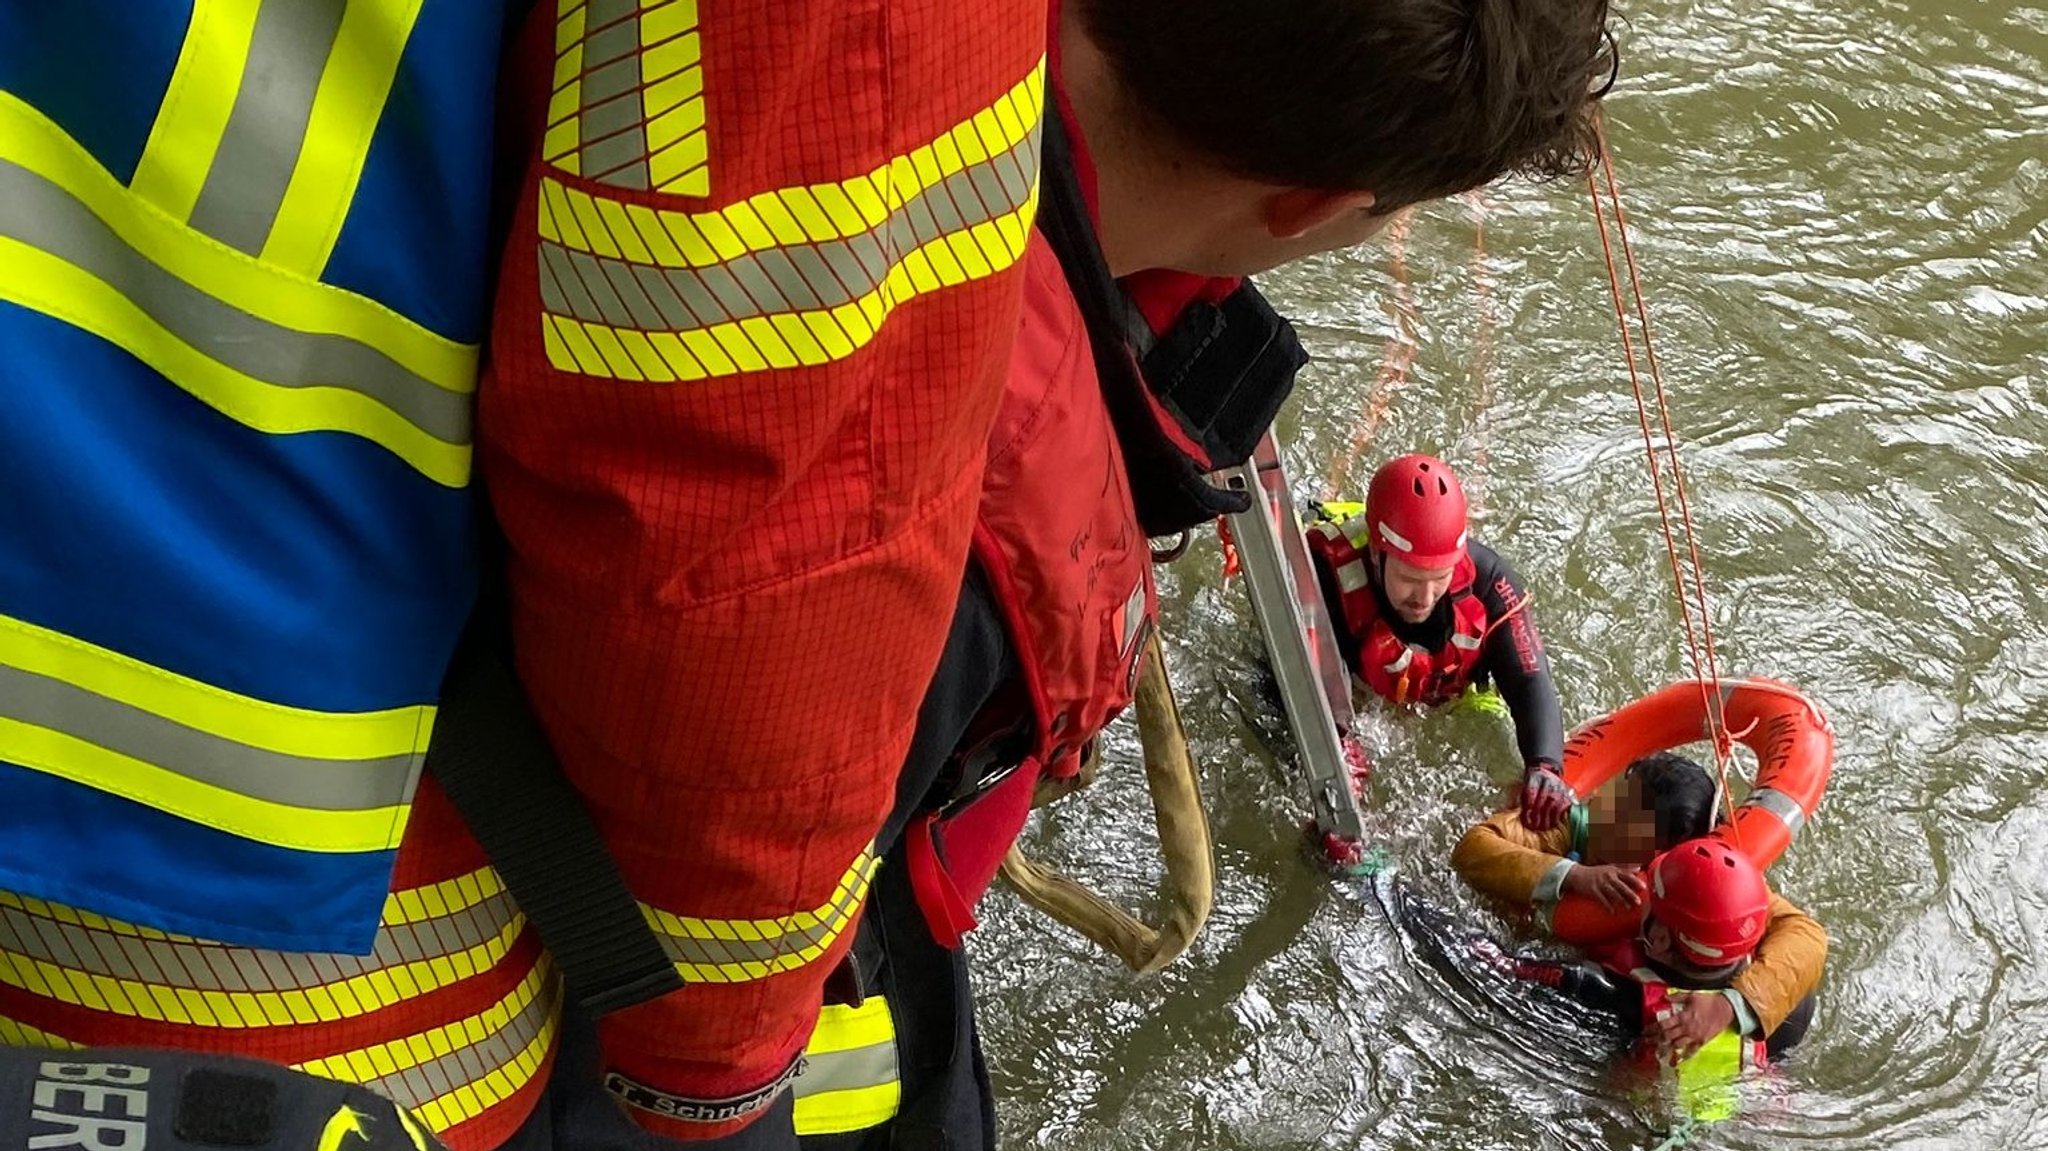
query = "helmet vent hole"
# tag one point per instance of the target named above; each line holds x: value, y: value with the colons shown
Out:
x: 1442, y: 488
x: 1418, y: 487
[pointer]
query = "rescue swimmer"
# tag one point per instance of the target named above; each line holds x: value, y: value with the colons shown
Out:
x: 1711, y: 951
x: 1424, y: 613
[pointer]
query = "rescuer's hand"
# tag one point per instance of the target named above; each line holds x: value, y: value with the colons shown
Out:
x: 1617, y: 888
x: 1691, y: 1022
x: 1545, y: 797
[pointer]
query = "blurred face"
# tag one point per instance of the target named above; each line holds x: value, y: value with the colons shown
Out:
x: 1413, y: 591
x: 1630, y: 835
x: 1663, y: 947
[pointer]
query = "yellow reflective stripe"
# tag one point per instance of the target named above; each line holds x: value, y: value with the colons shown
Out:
x: 559, y: 138
x: 672, y: 98
x: 824, y: 212
x: 15, y: 1033
x: 812, y: 336
x: 740, y: 950
x: 195, y: 107
x: 842, y: 1027
x: 627, y: 108
x: 850, y: 1078
x: 346, y: 108
x: 273, y: 295
x: 43, y: 283
x: 213, y: 710
x: 283, y: 825
x: 437, y: 900
x: 447, y: 1075
x: 117, y: 981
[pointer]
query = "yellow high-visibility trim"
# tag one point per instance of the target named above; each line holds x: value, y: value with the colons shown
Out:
x: 36, y: 280
x: 43, y: 283
x: 213, y: 710
x: 438, y: 900
x: 831, y: 211
x: 846, y: 1028
x: 196, y: 105
x: 68, y: 757
x: 752, y: 344
x: 836, y: 1112
x: 405, y: 1054
x: 15, y: 1033
x: 346, y: 107
x: 842, y: 1027
x: 371, y: 991
x: 686, y: 933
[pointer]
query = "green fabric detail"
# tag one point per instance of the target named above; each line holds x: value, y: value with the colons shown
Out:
x: 1580, y: 821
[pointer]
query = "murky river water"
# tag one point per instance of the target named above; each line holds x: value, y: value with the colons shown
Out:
x: 1842, y: 211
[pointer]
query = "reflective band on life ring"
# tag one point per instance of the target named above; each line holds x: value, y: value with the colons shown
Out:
x: 1795, y: 751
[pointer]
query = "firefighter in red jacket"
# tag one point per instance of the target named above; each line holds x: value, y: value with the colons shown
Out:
x: 1131, y: 380
x: 1428, y: 612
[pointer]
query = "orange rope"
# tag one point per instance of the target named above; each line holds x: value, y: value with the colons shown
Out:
x: 1482, y: 353
x: 1395, y: 359
x: 1700, y: 643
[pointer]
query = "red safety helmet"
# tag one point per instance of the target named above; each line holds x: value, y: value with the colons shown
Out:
x: 1415, y: 512
x: 1712, y: 898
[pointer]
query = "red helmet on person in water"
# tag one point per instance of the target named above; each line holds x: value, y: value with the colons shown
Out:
x: 1415, y: 512
x: 1713, y: 900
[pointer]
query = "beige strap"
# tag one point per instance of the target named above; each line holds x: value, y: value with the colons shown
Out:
x: 1190, y: 886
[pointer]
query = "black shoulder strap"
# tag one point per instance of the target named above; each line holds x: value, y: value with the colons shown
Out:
x: 490, y: 755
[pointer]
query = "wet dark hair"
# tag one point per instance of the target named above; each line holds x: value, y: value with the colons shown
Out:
x: 1680, y: 793
x: 1411, y: 100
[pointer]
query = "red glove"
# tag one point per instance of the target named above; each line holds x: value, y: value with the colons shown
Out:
x: 1545, y: 796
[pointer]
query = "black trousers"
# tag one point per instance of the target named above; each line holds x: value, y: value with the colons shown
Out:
x: 946, y: 1106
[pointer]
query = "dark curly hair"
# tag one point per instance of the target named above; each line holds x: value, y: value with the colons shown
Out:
x: 1680, y: 793
x: 1411, y: 100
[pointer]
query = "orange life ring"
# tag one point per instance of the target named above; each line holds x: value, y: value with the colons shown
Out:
x: 1795, y: 751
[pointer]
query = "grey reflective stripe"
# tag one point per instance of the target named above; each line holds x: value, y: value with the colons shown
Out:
x: 707, y: 948
x: 42, y: 215
x: 196, y: 965
x: 870, y: 1066
x: 288, y: 50
x: 1466, y: 642
x: 1779, y: 804
x: 613, y: 146
x: 468, y: 1062
x: 316, y: 784
x: 796, y: 277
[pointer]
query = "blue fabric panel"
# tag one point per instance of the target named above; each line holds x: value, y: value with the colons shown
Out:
x: 316, y: 570
x: 98, y: 69
x: 84, y: 848
x: 415, y: 234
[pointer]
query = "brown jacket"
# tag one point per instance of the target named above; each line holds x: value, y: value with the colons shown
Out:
x: 1501, y: 858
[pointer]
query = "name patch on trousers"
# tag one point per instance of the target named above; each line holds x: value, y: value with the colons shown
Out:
x: 686, y: 1109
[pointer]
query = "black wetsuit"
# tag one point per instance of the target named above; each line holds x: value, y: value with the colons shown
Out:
x: 1513, y: 660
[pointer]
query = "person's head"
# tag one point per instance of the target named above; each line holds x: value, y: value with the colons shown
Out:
x: 1708, y: 909
x: 1415, y: 516
x: 1660, y: 801
x: 1295, y: 126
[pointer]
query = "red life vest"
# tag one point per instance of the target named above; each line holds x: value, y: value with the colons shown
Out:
x: 1390, y: 666
x: 1058, y: 541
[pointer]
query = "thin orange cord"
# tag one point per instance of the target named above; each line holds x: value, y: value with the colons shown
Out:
x: 1700, y: 644
x: 1395, y: 359
x: 1482, y: 353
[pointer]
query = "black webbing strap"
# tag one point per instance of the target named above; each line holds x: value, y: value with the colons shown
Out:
x: 489, y: 754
